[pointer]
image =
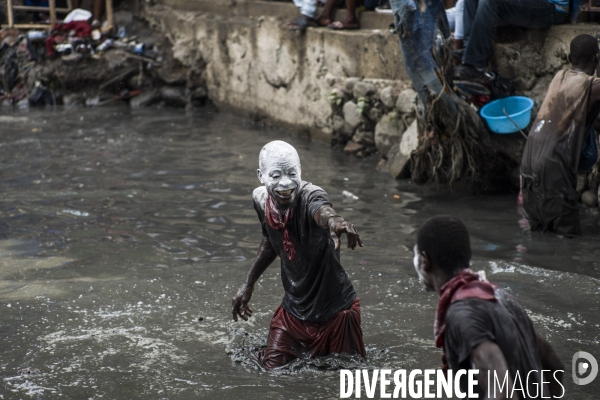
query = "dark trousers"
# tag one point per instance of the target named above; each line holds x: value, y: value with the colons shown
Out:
x: 481, y: 17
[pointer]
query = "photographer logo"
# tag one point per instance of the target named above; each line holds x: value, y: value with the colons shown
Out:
x: 584, y: 364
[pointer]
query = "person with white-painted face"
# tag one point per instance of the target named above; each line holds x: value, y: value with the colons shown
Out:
x: 320, y: 311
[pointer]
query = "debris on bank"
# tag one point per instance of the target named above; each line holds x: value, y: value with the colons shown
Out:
x: 78, y: 64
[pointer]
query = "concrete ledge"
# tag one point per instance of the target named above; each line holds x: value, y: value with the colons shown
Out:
x: 259, y: 8
x: 255, y: 65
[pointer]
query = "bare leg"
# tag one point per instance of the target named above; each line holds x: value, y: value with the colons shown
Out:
x: 350, y: 22
x: 326, y: 16
x: 98, y: 6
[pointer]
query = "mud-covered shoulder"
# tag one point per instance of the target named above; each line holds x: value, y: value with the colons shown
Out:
x: 259, y: 195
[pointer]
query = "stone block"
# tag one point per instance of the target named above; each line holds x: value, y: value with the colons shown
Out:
x: 350, y: 115
x: 397, y: 164
x: 349, y: 84
x: 387, y: 96
x: 410, y: 139
x: 388, y: 132
x: 352, y: 148
x: 363, y: 89
x: 399, y: 155
x: 406, y: 101
x: 364, y: 137
x: 589, y: 198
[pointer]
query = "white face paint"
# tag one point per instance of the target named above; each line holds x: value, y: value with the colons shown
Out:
x: 420, y: 268
x: 280, y: 171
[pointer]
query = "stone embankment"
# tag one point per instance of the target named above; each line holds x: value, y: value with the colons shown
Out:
x: 348, y: 88
x: 344, y: 87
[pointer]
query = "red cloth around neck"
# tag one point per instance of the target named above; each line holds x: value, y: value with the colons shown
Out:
x: 279, y: 222
x: 466, y: 284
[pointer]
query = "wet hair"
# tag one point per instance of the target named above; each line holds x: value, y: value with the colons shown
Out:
x: 446, y: 241
x: 583, y: 50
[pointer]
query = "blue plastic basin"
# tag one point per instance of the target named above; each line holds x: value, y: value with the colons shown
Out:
x: 518, y: 109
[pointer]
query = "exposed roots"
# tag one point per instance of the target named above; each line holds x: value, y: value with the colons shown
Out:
x: 450, y: 148
x: 453, y: 145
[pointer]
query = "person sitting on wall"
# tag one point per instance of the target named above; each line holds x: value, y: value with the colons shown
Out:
x: 308, y: 10
x: 554, y: 146
x: 479, y: 325
x: 320, y: 310
x: 455, y: 22
x: 481, y: 17
x: 350, y: 22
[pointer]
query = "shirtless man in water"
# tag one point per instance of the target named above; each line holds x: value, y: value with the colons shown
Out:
x: 479, y: 325
x: 320, y: 311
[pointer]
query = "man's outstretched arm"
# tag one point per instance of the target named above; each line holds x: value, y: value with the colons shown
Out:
x: 326, y: 218
x: 265, y: 256
x: 488, y: 357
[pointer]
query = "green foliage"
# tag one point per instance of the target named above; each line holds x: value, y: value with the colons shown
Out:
x: 335, y: 97
x: 362, y: 105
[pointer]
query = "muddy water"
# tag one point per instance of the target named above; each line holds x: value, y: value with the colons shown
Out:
x: 124, y: 235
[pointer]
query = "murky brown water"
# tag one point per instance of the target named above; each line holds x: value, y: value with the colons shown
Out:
x: 124, y: 235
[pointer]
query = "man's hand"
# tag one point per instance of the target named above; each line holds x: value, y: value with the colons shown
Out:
x: 337, y: 225
x: 239, y: 303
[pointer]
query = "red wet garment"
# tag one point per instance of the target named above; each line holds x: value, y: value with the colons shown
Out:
x: 466, y: 284
x: 81, y: 28
x: 279, y: 222
x: 288, y: 334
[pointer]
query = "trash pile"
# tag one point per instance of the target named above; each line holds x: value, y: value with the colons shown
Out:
x: 76, y: 63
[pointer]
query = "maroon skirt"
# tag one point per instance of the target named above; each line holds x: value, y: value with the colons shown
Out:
x: 288, y: 334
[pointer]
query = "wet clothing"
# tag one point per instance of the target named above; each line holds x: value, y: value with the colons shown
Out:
x: 553, y: 151
x: 278, y: 221
x: 288, y: 336
x: 316, y: 286
x: 472, y: 321
x: 319, y: 311
x: 466, y: 284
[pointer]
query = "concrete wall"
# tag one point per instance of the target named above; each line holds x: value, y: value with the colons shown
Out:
x: 255, y: 66
x: 259, y: 69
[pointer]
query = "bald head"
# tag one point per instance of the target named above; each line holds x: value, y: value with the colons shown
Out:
x: 277, y: 149
x: 279, y: 170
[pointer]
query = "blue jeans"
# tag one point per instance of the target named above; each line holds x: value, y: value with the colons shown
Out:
x: 481, y: 17
x: 417, y: 28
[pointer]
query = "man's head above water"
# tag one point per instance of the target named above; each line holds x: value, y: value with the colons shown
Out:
x: 443, y: 249
x: 279, y: 170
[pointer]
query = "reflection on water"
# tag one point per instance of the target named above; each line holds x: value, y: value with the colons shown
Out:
x: 124, y: 235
